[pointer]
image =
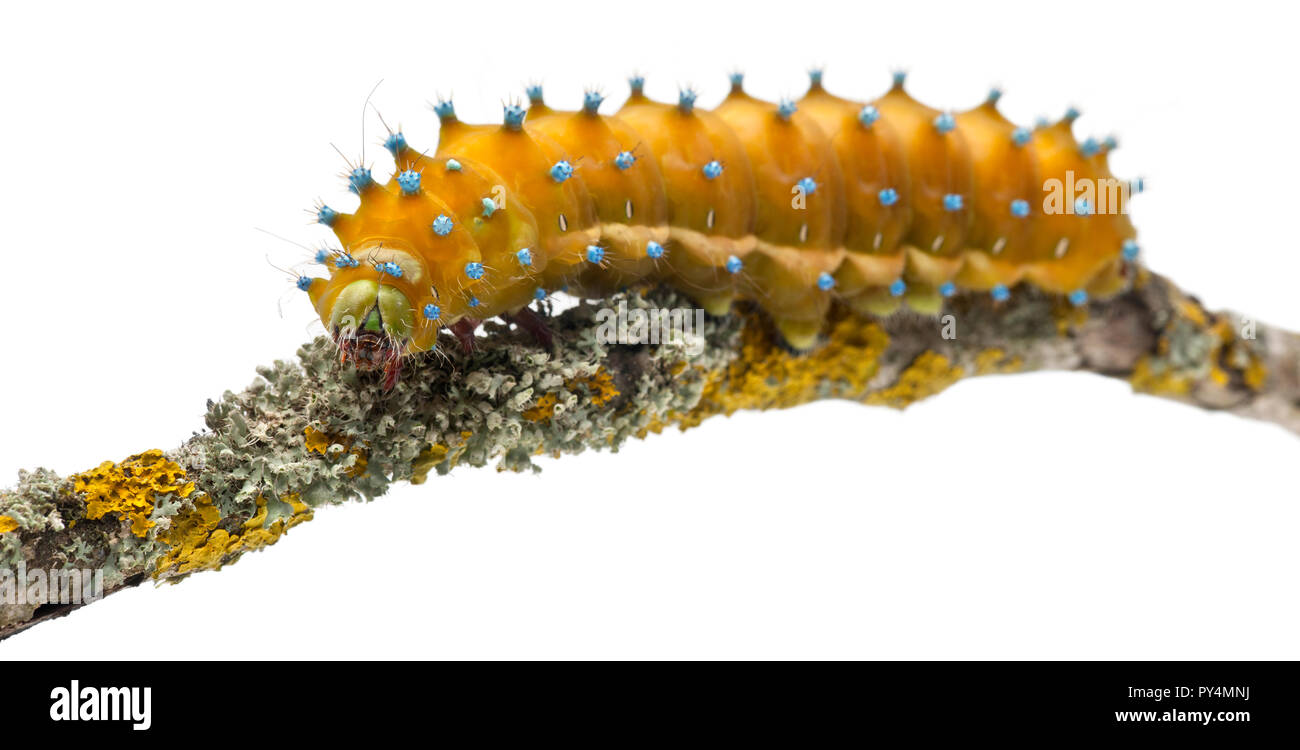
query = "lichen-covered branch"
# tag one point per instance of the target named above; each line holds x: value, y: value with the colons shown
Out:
x: 312, y: 433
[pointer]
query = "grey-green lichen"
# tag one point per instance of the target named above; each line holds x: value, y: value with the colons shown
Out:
x: 315, y: 433
x: 311, y: 433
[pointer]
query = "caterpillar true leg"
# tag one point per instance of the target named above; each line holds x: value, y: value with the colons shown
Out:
x: 463, y: 330
x: 528, y: 319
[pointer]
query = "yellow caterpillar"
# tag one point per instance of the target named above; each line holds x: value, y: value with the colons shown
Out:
x: 791, y: 204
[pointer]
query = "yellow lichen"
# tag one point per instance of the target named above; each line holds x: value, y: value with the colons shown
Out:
x: 198, y: 544
x: 8, y: 524
x: 424, y: 463
x: 766, y: 375
x: 317, y: 441
x: 129, y: 488
x: 1068, y: 317
x: 1152, y: 375
x: 655, y: 425
x: 543, y: 409
x: 1225, y: 358
x: 995, y: 361
x: 1189, y: 309
x: 928, y: 374
x: 598, y: 387
x: 1255, y: 373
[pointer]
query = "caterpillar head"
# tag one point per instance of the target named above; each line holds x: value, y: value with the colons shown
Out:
x: 372, y: 324
x: 420, y: 253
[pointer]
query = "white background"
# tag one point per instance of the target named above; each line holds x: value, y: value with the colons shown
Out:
x: 1047, y: 515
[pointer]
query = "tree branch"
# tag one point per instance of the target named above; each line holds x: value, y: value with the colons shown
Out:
x: 312, y: 433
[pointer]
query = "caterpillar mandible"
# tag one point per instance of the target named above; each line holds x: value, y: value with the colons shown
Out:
x: 791, y: 204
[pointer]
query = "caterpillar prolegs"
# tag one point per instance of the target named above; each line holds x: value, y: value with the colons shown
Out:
x: 792, y: 205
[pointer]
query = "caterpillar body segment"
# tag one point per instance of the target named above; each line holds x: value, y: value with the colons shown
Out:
x: 875, y: 179
x: 792, y: 205
x: 710, y: 192
x: 540, y: 174
x: 626, y: 189
x: 799, y: 212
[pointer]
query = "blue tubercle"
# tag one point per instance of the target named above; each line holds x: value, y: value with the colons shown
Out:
x: 1090, y: 147
x: 409, y: 182
x: 453, y: 165
x: 539, y: 294
x: 474, y: 270
x: 952, y: 202
x: 390, y: 268
x: 595, y: 253
x: 513, y: 116
x: 395, y: 142
x: 624, y: 160
x: 1130, y: 250
x: 825, y: 282
x: 1000, y: 293
x: 815, y: 76
x: 432, y: 311
x: 1019, y: 208
x: 1082, y: 207
x: 346, y: 261
x: 442, y: 225
x: 473, y: 301
x: 654, y: 249
x: 900, y: 77
x: 737, y: 79
x: 562, y: 171
x: 897, y: 287
x: 786, y: 108
x: 995, y: 94
x: 888, y: 197
x: 945, y: 123
x: 326, y: 215
x: 1110, y: 143
x: 304, y: 283
x: 489, y: 208
x: 808, y: 185
x: 591, y: 101
x: 686, y: 99
x: 1071, y: 114
x: 358, y: 179
x: 1021, y: 136
x: 534, y: 92
x: 525, y: 256
x: 637, y: 84
x: 947, y: 289
x: 868, y: 116
x: 1078, y: 297
x: 322, y: 256
x: 712, y: 170
x: 734, y: 264
x: 444, y: 109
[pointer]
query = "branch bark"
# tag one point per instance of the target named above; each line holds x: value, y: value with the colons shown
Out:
x: 310, y: 433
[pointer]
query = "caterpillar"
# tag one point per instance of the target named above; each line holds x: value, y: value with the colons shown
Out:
x: 793, y: 204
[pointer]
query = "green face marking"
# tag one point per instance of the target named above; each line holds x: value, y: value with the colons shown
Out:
x: 397, y: 312
x: 370, y: 306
